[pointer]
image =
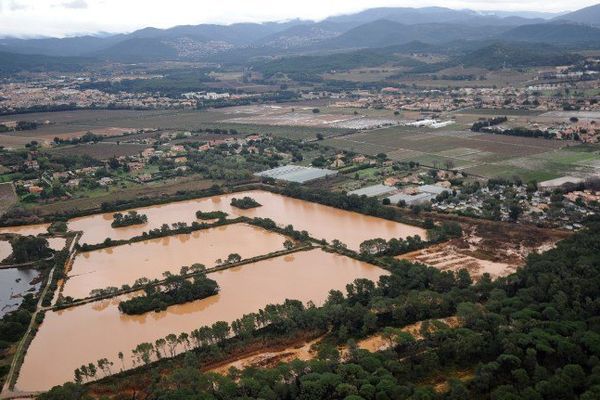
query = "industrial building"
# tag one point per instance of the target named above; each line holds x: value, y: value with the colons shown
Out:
x: 426, y: 194
x: 296, y: 173
x: 374, y: 190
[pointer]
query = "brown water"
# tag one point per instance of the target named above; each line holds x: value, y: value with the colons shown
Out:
x: 5, y: 249
x: 57, y: 243
x: 321, y: 221
x: 26, y: 230
x: 120, y: 265
x: 69, y: 338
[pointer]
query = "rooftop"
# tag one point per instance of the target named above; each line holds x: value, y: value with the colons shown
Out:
x: 373, y: 191
x: 296, y: 173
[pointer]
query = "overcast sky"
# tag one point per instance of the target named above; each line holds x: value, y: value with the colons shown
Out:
x: 70, y: 17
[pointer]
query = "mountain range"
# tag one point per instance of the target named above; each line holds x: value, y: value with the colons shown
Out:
x: 372, y: 28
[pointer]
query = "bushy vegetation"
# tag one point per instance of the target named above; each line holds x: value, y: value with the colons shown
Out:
x: 208, y: 215
x: 178, y: 290
x: 245, y: 203
x: 29, y: 248
x: 131, y: 218
x: 485, y: 123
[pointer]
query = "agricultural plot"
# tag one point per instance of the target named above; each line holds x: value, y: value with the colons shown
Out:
x: 102, y: 151
x: 482, y: 155
x: 7, y: 197
x: 70, y: 124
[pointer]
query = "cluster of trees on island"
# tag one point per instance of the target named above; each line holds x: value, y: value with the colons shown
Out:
x: 208, y: 215
x: 131, y: 218
x: 532, y: 335
x: 176, y: 289
x: 245, y: 203
x: 27, y: 249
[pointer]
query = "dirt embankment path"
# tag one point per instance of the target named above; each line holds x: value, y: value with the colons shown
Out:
x: 307, y: 349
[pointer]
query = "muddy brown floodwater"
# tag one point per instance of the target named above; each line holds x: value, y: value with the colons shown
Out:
x: 5, y: 249
x: 57, y: 243
x: 120, y: 265
x: 69, y: 338
x: 26, y: 230
x: 322, y: 222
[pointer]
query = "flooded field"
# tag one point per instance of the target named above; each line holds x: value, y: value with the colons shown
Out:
x: 57, y: 243
x: 14, y: 283
x: 321, y: 221
x: 120, y: 265
x: 86, y: 333
x: 26, y: 230
x: 5, y: 249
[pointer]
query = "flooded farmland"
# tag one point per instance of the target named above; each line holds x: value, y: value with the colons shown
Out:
x: 322, y: 222
x: 120, y: 265
x: 5, y: 249
x: 15, y: 283
x: 57, y: 243
x: 26, y: 230
x: 86, y: 333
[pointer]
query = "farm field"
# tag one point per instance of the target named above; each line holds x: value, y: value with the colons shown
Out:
x: 7, y: 197
x: 482, y: 155
x: 101, y: 151
x: 70, y: 124
x: 151, y: 189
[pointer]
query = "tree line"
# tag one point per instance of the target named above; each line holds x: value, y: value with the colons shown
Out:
x: 178, y: 289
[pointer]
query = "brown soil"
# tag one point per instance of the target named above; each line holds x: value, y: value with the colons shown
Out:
x: 487, y: 246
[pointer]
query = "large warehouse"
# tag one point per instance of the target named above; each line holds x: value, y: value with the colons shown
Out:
x: 296, y: 173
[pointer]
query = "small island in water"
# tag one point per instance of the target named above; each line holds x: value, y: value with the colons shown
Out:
x: 131, y: 218
x: 178, y: 290
x: 208, y: 215
x: 245, y: 203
